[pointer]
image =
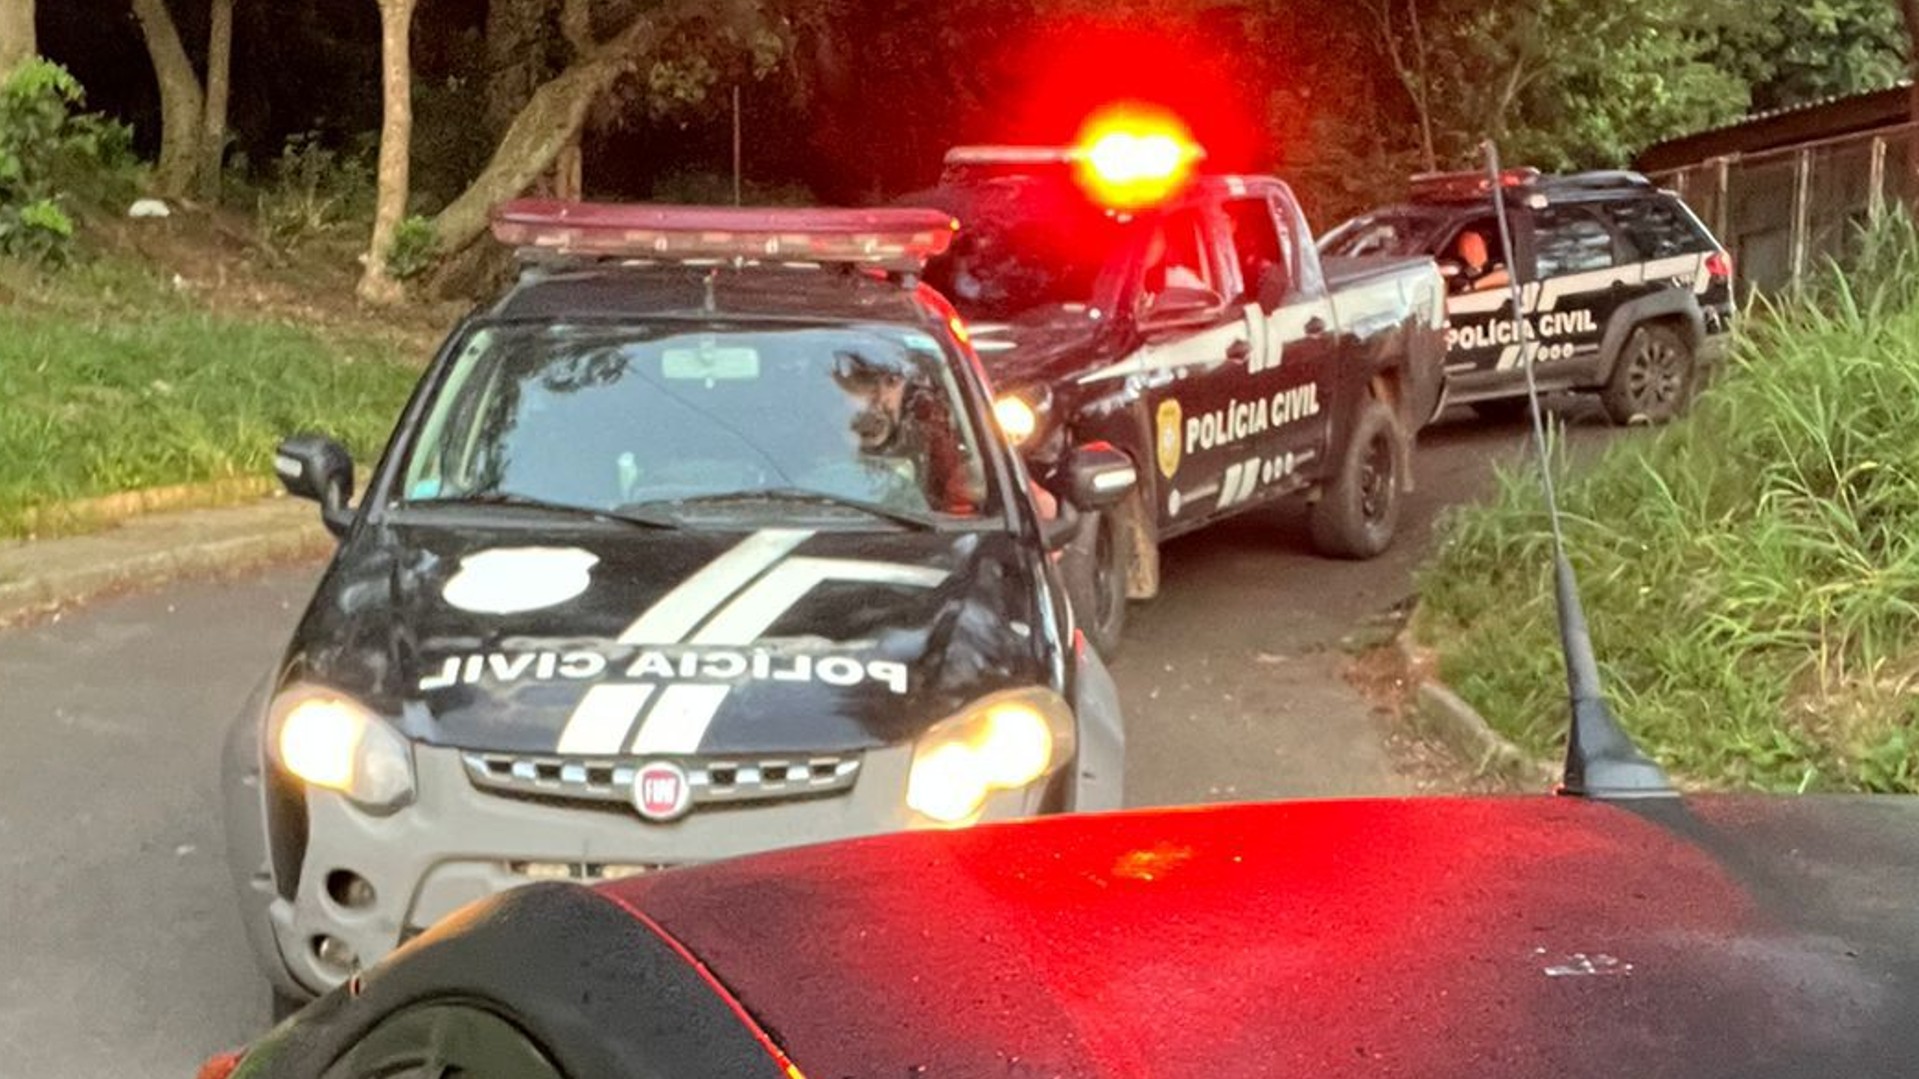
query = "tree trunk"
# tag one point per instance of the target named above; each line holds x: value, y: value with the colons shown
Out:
x: 1428, y: 153
x: 1417, y: 83
x: 1910, y: 10
x: 17, y: 43
x: 396, y: 148
x: 181, y: 105
x: 219, y: 73
x: 513, y: 29
x: 551, y: 122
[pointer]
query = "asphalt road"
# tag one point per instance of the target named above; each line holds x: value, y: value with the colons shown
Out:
x: 120, y: 949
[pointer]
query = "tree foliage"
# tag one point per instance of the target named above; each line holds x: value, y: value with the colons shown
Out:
x: 1796, y: 51
x: 51, y: 153
x: 1562, y: 83
x: 857, y: 99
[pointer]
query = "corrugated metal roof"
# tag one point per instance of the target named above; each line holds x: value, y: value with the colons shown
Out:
x: 1789, y: 110
x: 1807, y: 122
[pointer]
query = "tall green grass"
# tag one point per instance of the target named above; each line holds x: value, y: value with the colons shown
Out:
x: 1751, y: 572
x: 110, y: 380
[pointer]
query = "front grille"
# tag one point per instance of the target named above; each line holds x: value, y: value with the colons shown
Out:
x: 713, y: 780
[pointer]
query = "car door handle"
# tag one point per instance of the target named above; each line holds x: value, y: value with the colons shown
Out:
x: 1315, y: 326
x: 1239, y: 350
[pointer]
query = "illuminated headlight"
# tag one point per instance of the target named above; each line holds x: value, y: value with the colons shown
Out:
x: 1001, y: 743
x: 329, y: 740
x: 1016, y: 419
x: 1021, y: 415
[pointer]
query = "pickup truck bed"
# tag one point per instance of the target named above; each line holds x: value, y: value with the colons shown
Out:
x: 1381, y: 299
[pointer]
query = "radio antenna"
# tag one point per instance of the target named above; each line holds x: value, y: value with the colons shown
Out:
x: 1601, y: 759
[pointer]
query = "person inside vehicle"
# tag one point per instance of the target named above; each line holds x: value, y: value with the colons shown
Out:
x: 1477, y: 270
x: 1167, y: 269
x: 905, y: 435
x: 1262, y: 258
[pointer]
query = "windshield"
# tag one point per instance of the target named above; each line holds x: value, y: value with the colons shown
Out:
x: 1023, y: 245
x: 671, y: 417
x: 1388, y: 232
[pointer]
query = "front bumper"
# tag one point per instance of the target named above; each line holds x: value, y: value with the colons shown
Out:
x: 457, y: 843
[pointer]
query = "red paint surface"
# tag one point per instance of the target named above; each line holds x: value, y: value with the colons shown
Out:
x: 1332, y: 938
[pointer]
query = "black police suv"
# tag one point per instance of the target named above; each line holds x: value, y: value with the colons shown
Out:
x: 672, y: 557
x: 1625, y: 293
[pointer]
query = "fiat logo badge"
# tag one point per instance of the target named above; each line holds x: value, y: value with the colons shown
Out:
x: 661, y: 791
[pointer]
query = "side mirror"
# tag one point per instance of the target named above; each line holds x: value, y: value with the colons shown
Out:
x: 1097, y: 476
x: 1449, y: 269
x: 1062, y: 531
x: 318, y: 468
x: 1178, y: 304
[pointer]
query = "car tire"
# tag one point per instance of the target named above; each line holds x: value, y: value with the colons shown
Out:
x: 1358, y: 512
x: 1096, y: 587
x: 286, y: 1004
x: 1504, y: 410
x: 1652, y: 379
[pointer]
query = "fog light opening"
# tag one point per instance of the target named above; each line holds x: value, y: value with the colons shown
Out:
x: 335, y: 953
x: 350, y: 889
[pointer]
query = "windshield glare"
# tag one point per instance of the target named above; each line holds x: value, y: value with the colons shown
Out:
x: 605, y: 418
x: 1023, y: 246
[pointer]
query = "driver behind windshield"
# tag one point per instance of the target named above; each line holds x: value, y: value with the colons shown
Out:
x: 610, y: 419
x: 905, y: 430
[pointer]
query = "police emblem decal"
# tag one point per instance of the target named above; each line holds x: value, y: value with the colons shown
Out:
x: 1168, y: 424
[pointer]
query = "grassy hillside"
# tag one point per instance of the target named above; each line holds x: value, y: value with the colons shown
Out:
x: 1751, y: 573
x: 113, y: 376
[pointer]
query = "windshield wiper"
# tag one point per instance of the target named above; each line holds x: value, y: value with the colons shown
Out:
x: 518, y: 501
x: 800, y: 494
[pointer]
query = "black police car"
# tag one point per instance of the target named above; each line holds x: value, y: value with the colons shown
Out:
x: 699, y: 541
x: 1626, y: 293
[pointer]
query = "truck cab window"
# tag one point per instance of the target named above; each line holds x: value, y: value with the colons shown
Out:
x: 1176, y: 259
x: 1571, y: 240
x: 1261, y: 251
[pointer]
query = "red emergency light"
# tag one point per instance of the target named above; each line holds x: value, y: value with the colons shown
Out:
x: 1127, y: 158
x: 891, y: 239
x: 1132, y: 156
x: 1468, y: 186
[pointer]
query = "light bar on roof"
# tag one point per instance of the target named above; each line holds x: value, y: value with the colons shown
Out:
x: 893, y: 239
x: 1469, y: 185
x: 1127, y: 157
x: 1009, y: 155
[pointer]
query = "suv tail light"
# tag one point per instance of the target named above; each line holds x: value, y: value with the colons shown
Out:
x: 221, y: 1066
x: 1719, y: 264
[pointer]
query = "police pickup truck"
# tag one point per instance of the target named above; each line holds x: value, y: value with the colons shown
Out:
x: 1626, y: 293
x: 1115, y: 293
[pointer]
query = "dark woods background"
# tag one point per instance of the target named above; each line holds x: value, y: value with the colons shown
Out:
x: 851, y: 100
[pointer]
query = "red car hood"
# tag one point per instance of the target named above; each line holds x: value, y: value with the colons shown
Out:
x: 1506, y: 937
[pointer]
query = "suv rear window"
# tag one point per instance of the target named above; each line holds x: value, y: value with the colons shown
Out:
x: 1657, y: 227
x: 1570, y: 240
